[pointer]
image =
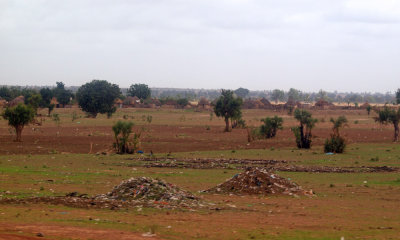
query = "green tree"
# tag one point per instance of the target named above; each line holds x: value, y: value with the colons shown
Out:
x: 98, y: 96
x: 28, y: 93
x: 369, y: 108
x: 228, y: 106
x: 6, y: 94
x: 270, y: 126
x: 277, y: 95
x: 398, y: 96
x: 387, y: 116
x: 34, y: 100
x: 63, y: 96
x: 141, y: 91
x: 303, y: 132
x: 18, y: 117
x: 294, y: 94
x: 182, y: 102
x: 47, y: 95
x: 242, y: 92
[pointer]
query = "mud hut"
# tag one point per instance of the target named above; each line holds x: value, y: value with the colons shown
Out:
x: 118, y: 103
x: 203, y: 104
x: 267, y: 103
x: 16, y: 101
x: 252, y: 104
x: 131, y: 101
x: 365, y: 105
x: 290, y: 104
x: 323, y: 104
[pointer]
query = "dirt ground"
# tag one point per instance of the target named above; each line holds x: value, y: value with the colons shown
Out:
x: 356, y: 193
x: 196, y: 133
x: 68, y: 232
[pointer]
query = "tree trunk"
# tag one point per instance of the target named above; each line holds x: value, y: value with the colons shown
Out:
x: 18, y: 130
x: 396, y: 132
x: 301, y: 136
x: 226, y: 124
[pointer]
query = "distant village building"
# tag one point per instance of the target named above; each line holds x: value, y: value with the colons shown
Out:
x: 16, y: 101
x: 118, y: 103
x: 131, y: 101
x: 55, y: 102
x: 323, y: 104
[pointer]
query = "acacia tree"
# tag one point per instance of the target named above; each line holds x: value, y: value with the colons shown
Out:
x: 387, y: 116
x: 228, y: 107
x: 303, y: 132
x: 98, y: 96
x: 18, y: 117
x: 141, y: 91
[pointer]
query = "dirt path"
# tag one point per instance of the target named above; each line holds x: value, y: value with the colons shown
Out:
x: 30, y: 231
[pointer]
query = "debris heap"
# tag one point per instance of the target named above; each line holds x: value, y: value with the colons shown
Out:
x: 149, y: 190
x: 259, y: 181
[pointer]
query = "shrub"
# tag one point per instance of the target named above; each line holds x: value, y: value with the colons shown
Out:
x: 270, y: 126
x: 122, y: 131
x: 336, y: 144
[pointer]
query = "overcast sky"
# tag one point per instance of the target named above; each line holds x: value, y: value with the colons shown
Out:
x: 344, y: 45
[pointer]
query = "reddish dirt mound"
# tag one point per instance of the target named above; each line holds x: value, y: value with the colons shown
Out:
x: 259, y: 181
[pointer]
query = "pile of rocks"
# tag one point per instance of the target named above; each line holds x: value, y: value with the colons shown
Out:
x: 259, y: 181
x: 151, y: 191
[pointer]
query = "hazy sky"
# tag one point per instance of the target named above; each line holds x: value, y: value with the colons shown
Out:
x: 345, y: 45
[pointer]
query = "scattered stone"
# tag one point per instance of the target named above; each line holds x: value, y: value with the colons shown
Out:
x: 39, y: 235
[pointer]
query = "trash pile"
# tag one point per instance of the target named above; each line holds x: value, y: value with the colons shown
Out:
x: 149, y: 191
x: 259, y: 181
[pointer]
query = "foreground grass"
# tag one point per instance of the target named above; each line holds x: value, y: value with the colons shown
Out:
x: 356, y: 205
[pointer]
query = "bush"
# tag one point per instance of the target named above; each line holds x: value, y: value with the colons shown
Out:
x: 270, y: 126
x: 336, y: 144
x: 122, y: 131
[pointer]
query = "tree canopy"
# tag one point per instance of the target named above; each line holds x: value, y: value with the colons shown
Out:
x: 242, y: 92
x: 63, y: 96
x: 387, y: 116
x: 18, y: 117
x: 141, y: 91
x: 277, y: 95
x: 303, y: 132
x: 98, y: 96
x: 228, y: 106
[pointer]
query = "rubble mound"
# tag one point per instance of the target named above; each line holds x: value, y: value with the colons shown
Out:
x: 148, y: 189
x: 259, y: 181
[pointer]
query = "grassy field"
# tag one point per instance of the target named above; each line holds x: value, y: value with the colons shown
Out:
x: 350, y: 205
